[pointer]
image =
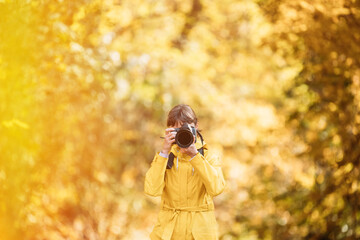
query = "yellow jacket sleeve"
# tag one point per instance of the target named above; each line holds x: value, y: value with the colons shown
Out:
x: 209, y: 169
x: 155, y: 176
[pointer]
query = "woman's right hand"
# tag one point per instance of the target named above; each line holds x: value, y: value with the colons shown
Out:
x: 169, y: 140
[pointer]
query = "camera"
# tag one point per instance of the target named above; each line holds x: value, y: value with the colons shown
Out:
x: 185, y: 135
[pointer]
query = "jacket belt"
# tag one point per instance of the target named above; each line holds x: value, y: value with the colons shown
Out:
x: 169, y: 227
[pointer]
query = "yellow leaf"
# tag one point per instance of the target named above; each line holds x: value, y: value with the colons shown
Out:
x: 20, y: 124
x: 15, y: 122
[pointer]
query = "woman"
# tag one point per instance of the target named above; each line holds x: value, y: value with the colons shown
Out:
x: 186, y: 179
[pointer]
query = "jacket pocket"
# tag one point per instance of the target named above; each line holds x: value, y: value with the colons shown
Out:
x: 205, y: 226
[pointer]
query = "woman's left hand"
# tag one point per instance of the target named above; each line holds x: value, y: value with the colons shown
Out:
x: 191, y: 150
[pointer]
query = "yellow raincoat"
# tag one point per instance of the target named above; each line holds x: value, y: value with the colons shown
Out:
x: 186, y: 190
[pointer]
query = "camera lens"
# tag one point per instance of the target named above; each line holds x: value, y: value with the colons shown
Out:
x: 184, y: 138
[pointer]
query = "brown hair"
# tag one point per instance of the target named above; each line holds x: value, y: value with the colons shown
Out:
x: 181, y: 113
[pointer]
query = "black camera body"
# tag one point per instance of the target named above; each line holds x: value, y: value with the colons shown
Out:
x: 185, y: 135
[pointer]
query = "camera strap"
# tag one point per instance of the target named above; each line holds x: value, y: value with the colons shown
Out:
x: 170, y: 162
x: 201, y: 150
x: 171, y: 157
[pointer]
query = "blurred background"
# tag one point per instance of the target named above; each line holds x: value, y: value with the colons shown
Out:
x: 86, y: 85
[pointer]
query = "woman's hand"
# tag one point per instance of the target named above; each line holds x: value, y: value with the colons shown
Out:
x: 191, y: 150
x: 169, y: 140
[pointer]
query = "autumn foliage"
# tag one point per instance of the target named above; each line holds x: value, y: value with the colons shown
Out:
x: 85, y: 87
